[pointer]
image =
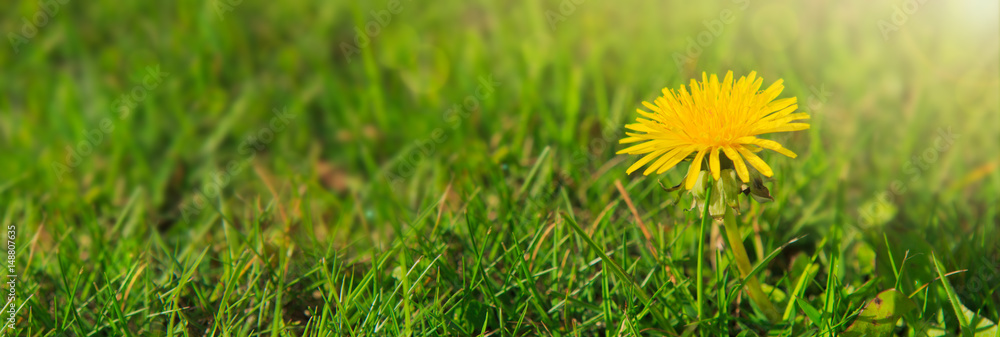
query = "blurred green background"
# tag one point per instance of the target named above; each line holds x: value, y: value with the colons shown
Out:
x: 387, y: 110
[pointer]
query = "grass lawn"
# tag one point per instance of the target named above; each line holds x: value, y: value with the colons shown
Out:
x: 448, y: 168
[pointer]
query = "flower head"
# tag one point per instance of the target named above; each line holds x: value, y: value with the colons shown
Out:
x: 713, y: 117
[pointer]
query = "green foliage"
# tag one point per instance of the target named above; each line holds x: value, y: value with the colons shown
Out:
x: 241, y: 168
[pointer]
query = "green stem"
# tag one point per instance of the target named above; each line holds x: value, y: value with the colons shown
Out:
x: 753, y: 287
x: 701, y: 258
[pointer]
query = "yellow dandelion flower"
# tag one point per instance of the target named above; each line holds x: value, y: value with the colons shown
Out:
x: 710, y: 119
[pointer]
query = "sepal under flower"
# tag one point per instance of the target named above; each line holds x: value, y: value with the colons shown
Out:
x: 725, y: 192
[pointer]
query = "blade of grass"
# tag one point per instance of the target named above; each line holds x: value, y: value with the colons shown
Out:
x: 646, y: 300
x: 534, y: 170
x: 952, y: 297
x: 699, y: 273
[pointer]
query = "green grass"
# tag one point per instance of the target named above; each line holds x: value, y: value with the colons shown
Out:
x: 456, y: 174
